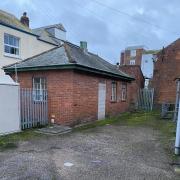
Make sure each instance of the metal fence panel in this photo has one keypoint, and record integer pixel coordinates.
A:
(145, 99)
(34, 112)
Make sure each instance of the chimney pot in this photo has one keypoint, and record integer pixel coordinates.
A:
(24, 19)
(117, 65)
(83, 46)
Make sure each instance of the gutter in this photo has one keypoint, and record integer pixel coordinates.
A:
(15, 28)
(70, 66)
(24, 31)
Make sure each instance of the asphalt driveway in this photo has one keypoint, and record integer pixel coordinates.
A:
(108, 152)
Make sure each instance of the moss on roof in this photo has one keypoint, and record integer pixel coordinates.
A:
(69, 56)
(11, 20)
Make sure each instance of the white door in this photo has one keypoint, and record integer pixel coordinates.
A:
(101, 100)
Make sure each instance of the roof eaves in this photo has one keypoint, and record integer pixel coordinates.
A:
(46, 41)
(70, 66)
(27, 32)
(18, 29)
(9, 66)
(81, 67)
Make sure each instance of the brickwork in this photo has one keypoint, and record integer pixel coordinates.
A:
(73, 96)
(134, 71)
(126, 57)
(166, 69)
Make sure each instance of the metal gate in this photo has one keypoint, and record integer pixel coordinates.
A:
(145, 99)
(34, 108)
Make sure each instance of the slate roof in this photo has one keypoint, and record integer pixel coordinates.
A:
(58, 26)
(10, 20)
(45, 35)
(68, 56)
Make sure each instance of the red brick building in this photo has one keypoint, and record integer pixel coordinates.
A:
(132, 56)
(81, 86)
(166, 69)
(137, 84)
(139, 56)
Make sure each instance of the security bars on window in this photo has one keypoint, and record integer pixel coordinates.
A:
(39, 87)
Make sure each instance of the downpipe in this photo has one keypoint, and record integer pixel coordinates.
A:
(177, 142)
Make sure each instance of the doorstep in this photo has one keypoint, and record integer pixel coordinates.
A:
(55, 130)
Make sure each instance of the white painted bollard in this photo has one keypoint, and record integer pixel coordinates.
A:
(177, 143)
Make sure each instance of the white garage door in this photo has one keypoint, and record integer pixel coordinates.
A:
(101, 100)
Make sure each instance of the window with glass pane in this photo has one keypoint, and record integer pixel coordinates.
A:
(114, 91)
(124, 91)
(132, 62)
(11, 45)
(133, 53)
(39, 89)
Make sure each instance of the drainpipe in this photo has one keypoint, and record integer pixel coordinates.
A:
(16, 76)
(177, 142)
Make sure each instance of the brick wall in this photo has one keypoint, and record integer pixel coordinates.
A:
(166, 69)
(73, 96)
(134, 71)
(125, 57)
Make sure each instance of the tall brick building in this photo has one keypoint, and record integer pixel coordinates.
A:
(132, 55)
(166, 70)
(81, 86)
(139, 56)
(137, 84)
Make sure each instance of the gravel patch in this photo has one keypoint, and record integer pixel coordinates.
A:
(103, 153)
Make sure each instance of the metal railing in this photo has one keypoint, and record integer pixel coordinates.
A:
(34, 108)
(145, 99)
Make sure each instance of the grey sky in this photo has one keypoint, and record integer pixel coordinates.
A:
(107, 30)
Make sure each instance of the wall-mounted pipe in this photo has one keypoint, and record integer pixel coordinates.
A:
(177, 142)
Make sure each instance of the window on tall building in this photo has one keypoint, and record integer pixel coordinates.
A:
(11, 45)
(132, 62)
(133, 53)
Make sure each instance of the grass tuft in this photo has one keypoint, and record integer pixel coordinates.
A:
(167, 128)
(11, 141)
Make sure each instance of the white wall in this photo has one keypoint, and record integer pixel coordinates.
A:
(9, 109)
(60, 34)
(147, 65)
(29, 46)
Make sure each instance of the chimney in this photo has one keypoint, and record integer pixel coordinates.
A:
(122, 58)
(117, 65)
(24, 19)
(83, 46)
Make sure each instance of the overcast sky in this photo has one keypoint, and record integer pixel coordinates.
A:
(107, 25)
